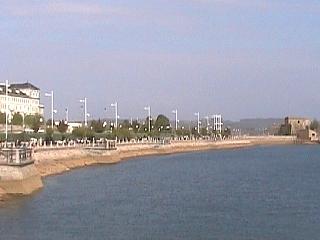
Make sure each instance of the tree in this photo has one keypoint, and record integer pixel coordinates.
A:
(79, 132)
(48, 122)
(194, 131)
(182, 132)
(123, 134)
(135, 126)
(49, 134)
(62, 127)
(144, 128)
(126, 124)
(161, 126)
(83, 132)
(162, 123)
(314, 125)
(34, 122)
(97, 126)
(226, 132)
(17, 119)
(2, 118)
(203, 131)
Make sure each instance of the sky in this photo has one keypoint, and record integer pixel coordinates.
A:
(240, 58)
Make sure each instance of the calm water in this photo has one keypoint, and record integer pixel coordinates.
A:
(257, 193)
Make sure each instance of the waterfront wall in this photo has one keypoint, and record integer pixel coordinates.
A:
(20, 180)
(26, 179)
(59, 161)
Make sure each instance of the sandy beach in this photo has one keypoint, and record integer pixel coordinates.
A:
(57, 161)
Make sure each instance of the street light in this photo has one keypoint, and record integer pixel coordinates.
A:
(115, 105)
(176, 120)
(84, 101)
(198, 115)
(6, 84)
(67, 115)
(208, 124)
(11, 118)
(51, 94)
(148, 108)
(23, 124)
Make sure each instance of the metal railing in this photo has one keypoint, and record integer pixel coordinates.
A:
(84, 144)
(16, 156)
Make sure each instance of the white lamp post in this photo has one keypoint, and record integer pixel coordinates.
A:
(176, 119)
(7, 106)
(52, 106)
(208, 123)
(198, 115)
(115, 105)
(6, 84)
(148, 108)
(67, 115)
(23, 124)
(84, 101)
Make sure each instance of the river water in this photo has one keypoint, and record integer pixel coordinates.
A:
(256, 193)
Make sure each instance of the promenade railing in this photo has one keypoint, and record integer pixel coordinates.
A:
(105, 144)
(83, 144)
(16, 156)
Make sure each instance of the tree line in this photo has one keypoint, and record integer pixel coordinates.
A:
(126, 130)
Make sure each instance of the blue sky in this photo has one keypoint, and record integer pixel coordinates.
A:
(248, 58)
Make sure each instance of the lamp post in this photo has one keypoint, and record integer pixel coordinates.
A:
(84, 101)
(198, 115)
(23, 124)
(208, 123)
(6, 84)
(115, 105)
(148, 108)
(51, 94)
(7, 106)
(176, 119)
(11, 118)
(67, 115)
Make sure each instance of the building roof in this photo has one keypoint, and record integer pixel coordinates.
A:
(298, 118)
(13, 92)
(24, 86)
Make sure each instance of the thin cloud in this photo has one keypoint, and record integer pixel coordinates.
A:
(75, 8)
(99, 12)
(303, 6)
(19, 9)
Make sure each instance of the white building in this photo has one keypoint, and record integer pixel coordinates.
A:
(23, 98)
(73, 125)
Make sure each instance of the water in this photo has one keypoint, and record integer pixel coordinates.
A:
(257, 193)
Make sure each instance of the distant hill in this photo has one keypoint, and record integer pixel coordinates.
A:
(254, 126)
(255, 123)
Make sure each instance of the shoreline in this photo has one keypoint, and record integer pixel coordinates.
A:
(55, 162)
(79, 158)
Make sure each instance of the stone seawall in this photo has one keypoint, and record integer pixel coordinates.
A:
(59, 161)
(19, 180)
(25, 180)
